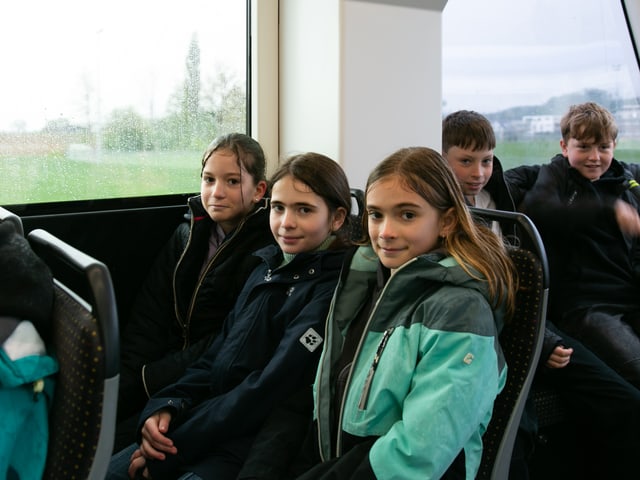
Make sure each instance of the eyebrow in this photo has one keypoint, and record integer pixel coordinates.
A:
(398, 206)
(297, 204)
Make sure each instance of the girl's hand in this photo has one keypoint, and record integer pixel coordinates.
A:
(137, 463)
(155, 444)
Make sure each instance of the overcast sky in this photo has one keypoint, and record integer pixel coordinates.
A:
(60, 56)
(127, 52)
(523, 53)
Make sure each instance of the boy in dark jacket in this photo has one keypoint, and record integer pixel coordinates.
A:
(585, 207)
(585, 383)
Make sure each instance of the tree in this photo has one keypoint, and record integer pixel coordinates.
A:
(191, 90)
(225, 103)
(125, 131)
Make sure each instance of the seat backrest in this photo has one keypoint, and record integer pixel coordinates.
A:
(357, 211)
(521, 341)
(7, 216)
(86, 345)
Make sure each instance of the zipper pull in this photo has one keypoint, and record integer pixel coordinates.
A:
(38, 387)
(374, 365)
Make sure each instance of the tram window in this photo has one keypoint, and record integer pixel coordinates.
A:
(113, 99)
(522, 64)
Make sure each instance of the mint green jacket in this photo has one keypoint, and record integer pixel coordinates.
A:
(26, 390)
(426, 371)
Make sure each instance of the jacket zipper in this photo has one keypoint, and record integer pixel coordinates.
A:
(186, 323)
(182, 324)
(383, 343)
(364, 397)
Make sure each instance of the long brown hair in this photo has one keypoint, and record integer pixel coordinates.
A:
(475, 247)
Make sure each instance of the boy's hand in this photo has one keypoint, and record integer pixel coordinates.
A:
(627, 218)
(154, 441)
(560, 357)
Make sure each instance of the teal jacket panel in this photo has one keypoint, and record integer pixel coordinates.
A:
(427, 369)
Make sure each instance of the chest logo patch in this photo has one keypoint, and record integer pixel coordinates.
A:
(468, 358)
(311, 339)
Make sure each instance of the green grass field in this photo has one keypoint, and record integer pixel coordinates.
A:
(38, 178)
(42, 178)
(512, 154)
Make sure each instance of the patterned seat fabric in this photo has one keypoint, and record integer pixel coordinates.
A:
(86, 343)
(76, 414)
(518, 341)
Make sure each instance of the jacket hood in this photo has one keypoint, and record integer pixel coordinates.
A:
(614, 181)
(615, 173)
(428, 271)
(437, 267)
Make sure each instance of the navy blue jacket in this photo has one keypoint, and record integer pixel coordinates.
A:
(269, 348)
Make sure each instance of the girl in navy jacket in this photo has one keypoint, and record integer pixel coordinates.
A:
(270, 343)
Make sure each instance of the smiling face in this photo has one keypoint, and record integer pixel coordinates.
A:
(401, 224)
(300, 219)
(473, 168)
(591, 159)
(228, 192)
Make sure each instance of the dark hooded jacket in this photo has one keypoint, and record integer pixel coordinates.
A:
(268, 349)
(508, 188)
(179, 310)
(591, 261)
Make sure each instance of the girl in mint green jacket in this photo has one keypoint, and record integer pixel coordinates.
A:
(411, 364)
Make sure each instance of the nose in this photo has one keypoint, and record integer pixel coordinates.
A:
(476, 170)
(218, 190)
(288, 219)
(386, 230)
(594, 153)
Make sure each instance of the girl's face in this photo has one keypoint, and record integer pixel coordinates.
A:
(402, 225)
(227, 194)
(300, 219)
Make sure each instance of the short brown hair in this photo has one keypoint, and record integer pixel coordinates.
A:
(467, 129)
(588, 121)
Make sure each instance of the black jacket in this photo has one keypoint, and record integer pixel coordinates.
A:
(508, 188)
(178, 312)
(590, 260)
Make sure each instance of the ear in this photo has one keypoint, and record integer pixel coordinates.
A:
(337, 218)
(260, 190)
(448, 222)
(564, 148)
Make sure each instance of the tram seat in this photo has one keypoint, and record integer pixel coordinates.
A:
(357, 211)
(6, 215)
(549, 408)
(86, 344)
(521, 341)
